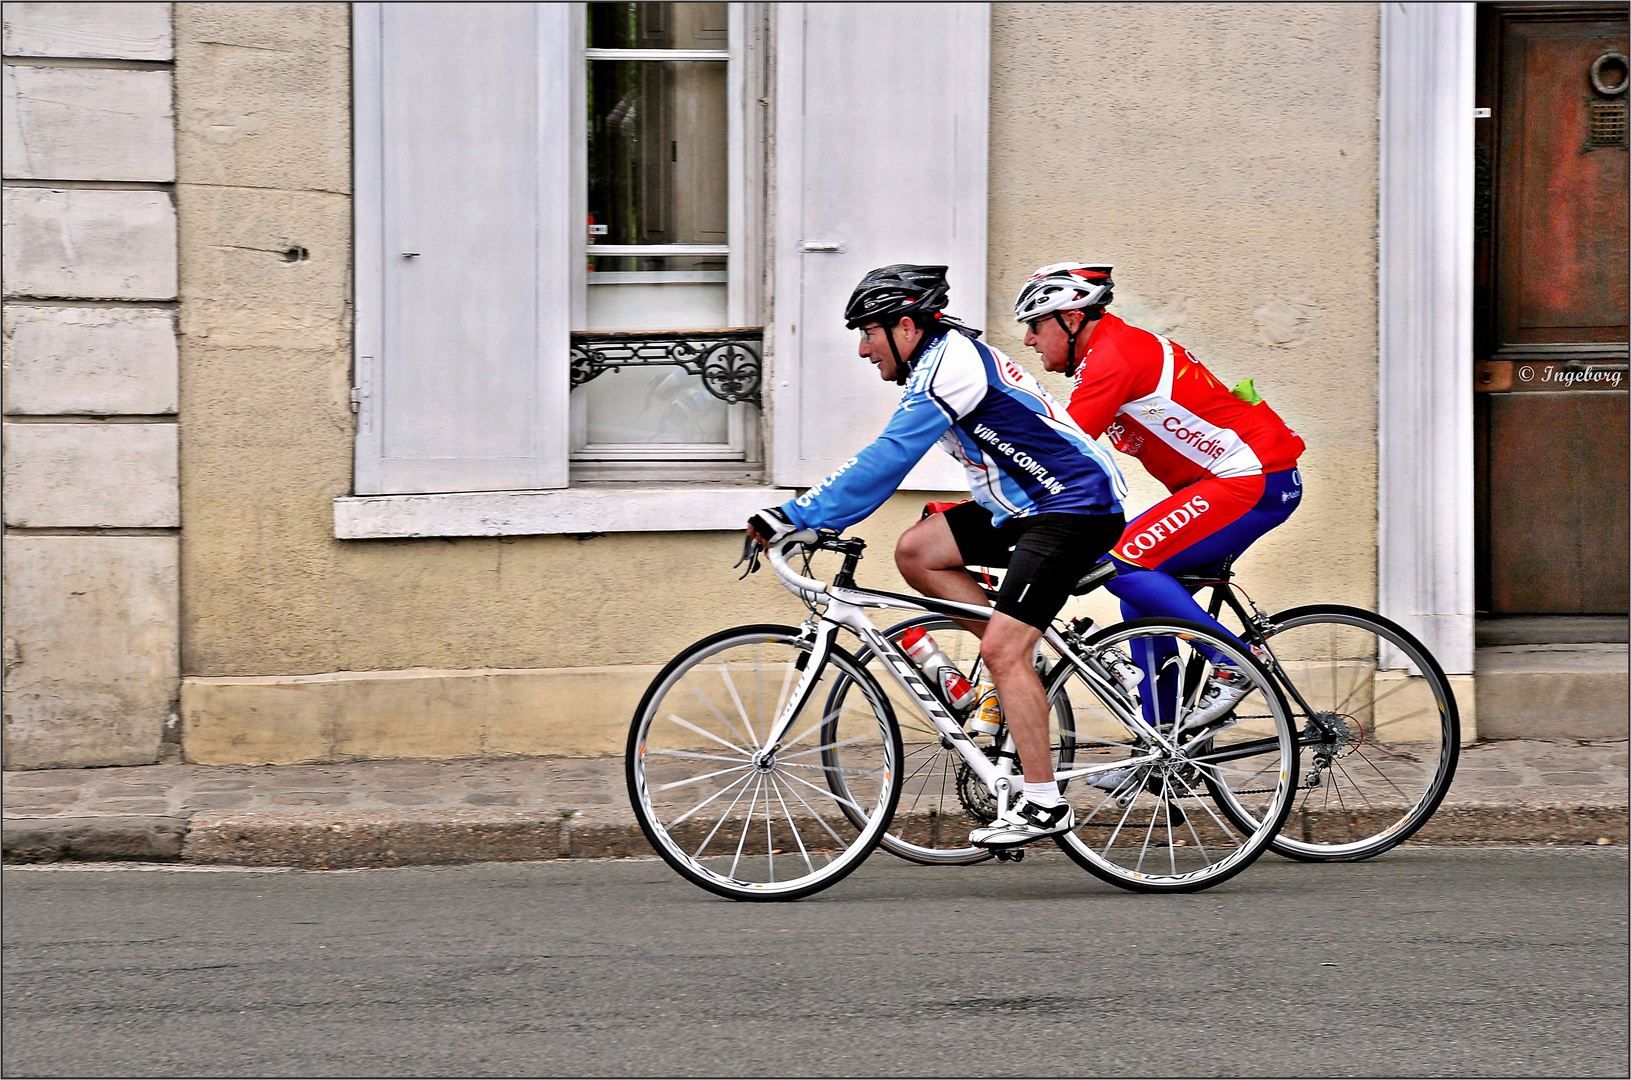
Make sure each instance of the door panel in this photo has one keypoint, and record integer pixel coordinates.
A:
(1558, 519)
(1563, 259)
(1550, 313)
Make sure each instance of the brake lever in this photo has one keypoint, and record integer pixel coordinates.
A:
(750, 555)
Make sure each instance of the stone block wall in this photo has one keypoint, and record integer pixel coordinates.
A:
(91, 486)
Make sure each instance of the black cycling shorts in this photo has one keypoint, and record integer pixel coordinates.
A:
(1046, 555)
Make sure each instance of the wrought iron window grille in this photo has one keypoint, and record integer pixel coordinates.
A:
(727, 360)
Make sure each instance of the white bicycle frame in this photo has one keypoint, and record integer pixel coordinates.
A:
(844, 607)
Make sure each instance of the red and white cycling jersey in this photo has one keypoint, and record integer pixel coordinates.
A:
(1160, 405)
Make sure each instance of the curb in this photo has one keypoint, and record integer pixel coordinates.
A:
(142, 839)
(308, 841)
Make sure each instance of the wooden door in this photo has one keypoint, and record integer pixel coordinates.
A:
(1550, 308)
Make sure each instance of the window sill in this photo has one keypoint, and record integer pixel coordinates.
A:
(589, 509)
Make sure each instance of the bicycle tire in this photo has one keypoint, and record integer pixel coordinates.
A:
(1139, 799)
(680, 775)
(1418, 769)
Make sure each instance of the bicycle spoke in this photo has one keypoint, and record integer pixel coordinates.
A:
(747, 823)
(698, 779)
(1427, 710)
(1144, 848)
(684, 723)
(726, 816)
(734, 730)
(1209, 811)
(823, 748)
(692, 755)
(833, 795)
(817, 815)
(770, 841)
(792, 826)
(1359, 791)
(1385, 778)
(816, 726)
(741, 710)
(1126, 811)
(740, 780)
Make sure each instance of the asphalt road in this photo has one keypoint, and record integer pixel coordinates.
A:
(1433, 961)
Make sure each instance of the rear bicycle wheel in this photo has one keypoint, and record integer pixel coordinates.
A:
(733, 821)
(941, 798)
(1149, 817)
(1379, 729)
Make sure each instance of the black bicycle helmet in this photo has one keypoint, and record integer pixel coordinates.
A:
(891, 293)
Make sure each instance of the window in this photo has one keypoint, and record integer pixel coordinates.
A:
(658, 187)
(561, 252)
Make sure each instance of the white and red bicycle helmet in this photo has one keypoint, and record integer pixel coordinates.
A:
(1065, 286)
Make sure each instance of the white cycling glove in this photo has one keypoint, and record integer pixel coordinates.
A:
(770, 525)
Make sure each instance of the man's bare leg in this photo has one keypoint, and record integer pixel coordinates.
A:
(928, 559)
(1008, 648)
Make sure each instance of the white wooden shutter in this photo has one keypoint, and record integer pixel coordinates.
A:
(859, 87)
(464, 172)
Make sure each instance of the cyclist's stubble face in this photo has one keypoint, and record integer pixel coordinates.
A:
(875, 347)
(1048, 338)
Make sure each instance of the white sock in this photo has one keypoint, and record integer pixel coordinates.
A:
(1043, 795)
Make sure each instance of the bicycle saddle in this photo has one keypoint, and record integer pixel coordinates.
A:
(1100, 574)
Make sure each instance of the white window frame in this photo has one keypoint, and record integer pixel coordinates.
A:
(673, 504)
(742, 452)
(680, 502)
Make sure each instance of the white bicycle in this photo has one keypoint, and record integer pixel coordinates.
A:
(766, 762)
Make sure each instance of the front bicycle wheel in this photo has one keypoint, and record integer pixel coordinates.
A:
(1147, 810)
(734, 820)
(1379, 729)
(941, 798)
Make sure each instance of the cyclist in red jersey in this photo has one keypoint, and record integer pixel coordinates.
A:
(1227, 458)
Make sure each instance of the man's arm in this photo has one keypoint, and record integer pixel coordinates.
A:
(1102, 388)
(865, 481)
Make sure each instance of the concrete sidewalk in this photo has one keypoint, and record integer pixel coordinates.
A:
(399, 813)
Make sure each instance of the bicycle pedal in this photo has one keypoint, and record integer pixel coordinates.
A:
(1009, 854)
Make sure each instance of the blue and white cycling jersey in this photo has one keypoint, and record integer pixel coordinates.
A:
(1023, 453)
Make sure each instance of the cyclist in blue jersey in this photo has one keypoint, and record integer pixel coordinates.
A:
(1047, 502)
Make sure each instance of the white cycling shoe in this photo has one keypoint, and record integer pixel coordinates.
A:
(1222, 693)
(1025, 821)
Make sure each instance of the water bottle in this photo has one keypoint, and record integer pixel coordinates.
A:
(1127, 673)
(987, 719)
(954, 686)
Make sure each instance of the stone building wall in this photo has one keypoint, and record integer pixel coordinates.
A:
(299, 646)
(1223, 157)
(92, 492)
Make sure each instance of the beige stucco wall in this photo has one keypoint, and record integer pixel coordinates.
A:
(263, 101)
(1224, 158)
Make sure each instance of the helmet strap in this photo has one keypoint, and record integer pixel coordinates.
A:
(1070, 342)
(900, 365)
